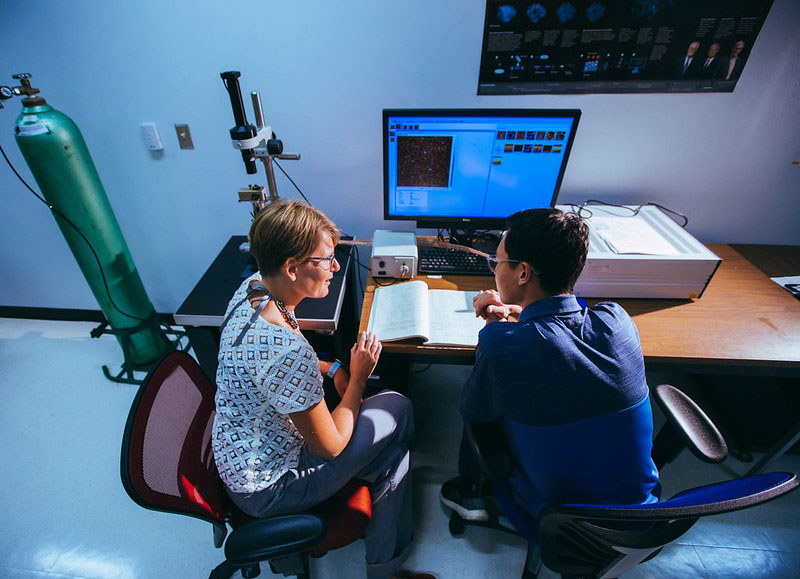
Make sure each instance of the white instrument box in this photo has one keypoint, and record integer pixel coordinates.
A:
(394, 254)
(646, 255)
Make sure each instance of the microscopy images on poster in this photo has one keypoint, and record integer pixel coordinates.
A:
(424, 161)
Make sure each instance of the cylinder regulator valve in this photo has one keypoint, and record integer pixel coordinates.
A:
(6, 92)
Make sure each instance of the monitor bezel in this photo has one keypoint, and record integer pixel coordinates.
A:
(460, 222)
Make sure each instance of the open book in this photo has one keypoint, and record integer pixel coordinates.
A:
(438, 316)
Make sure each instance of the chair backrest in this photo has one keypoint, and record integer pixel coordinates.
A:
(610, 539)
(167, 460)
(599, 460)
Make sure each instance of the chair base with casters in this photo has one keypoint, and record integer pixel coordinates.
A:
(498, 522)
(608, 540)
(167, 465)
(288, 541)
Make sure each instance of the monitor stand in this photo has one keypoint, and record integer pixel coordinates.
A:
(463, 237)
(486, 242)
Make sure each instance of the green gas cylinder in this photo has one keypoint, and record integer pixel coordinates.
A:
(59, 160)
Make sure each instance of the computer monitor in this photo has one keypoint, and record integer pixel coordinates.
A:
(472, 168)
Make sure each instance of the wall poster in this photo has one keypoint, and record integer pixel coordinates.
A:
(617, 46)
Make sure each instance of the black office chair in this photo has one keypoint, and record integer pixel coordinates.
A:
(608, 540)
(167, 465)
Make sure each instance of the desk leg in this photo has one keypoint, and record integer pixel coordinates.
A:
(347, 331)
(205, 344)
(777, 451)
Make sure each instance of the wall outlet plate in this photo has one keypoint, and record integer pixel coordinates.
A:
(184, 136)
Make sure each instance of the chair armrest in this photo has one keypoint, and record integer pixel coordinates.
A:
(487, 440)
(693, 426)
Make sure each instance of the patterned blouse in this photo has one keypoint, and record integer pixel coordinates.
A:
(271, 373)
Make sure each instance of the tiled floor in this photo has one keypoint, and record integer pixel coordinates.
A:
(65, 513)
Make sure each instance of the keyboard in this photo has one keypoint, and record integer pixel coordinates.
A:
(438, 260)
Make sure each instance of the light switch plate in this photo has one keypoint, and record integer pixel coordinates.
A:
(184, 136)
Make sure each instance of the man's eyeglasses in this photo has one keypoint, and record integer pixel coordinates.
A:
(492, 260)
(324, 262)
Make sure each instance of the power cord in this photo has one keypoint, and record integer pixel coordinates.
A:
(292, 182)
(360, 282)
(584, 212)
(394, 281)
(79, 232)
(357, 256)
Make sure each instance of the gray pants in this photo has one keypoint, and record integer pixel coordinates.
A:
(378, 454)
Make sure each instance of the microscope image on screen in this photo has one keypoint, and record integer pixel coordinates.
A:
(424, 161)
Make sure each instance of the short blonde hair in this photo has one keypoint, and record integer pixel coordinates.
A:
(286, 230)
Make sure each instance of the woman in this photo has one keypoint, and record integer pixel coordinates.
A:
(277, 446)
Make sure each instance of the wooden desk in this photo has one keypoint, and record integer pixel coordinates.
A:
(744, 322)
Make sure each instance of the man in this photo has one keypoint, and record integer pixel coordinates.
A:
(686, 66)
(559, 364)
(711, 64)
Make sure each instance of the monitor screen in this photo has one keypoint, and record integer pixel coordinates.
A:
(458, 168)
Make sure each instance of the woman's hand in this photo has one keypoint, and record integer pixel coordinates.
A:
(488, 306)
(364, 356)
(327, 433)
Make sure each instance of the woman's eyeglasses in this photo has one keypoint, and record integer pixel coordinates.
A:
(325, 263)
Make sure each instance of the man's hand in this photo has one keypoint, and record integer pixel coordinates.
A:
(488, 306)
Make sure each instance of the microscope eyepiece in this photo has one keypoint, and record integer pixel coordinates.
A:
(242, 130)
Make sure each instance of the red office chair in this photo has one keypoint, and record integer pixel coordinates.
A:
(167, 465)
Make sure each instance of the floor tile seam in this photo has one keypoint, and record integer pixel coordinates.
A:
(730, 547)
(39, 571)
(706, 573)
(70, 575)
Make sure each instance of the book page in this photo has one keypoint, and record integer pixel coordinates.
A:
(400, 311)
(452, 318)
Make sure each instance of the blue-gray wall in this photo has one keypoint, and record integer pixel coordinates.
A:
(325, 70)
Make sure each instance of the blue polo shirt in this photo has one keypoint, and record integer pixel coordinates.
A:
(558, 364)
(568, 384)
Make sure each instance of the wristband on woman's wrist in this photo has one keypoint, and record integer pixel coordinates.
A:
(333, 369)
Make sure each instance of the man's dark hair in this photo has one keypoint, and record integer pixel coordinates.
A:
(553, 242)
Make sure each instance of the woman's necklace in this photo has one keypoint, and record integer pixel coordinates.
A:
(287, 315)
